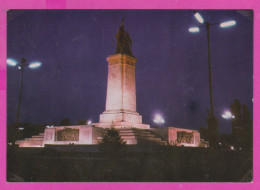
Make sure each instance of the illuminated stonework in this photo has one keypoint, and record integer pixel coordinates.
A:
(121, 91)
(179, 136)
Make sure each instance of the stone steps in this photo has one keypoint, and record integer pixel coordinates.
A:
(140, 136)
(34, 141)
(38, 137)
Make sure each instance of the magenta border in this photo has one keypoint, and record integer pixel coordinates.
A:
(128, 4)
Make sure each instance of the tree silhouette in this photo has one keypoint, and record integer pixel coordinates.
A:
(81, 122)
(111, 141)
(242, 127)
(65, 122)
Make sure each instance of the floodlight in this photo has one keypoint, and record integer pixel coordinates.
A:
(34, 65)
(199, 17)
(227, 24)
(11, 62)
(194, 29)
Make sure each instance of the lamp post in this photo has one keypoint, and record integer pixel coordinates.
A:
(21, 67)
(212, 120)
(207, 25)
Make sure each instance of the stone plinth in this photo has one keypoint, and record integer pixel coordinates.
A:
(120, 116)
(63, 135)
(121, 124)
(121, 91)
(176, 136)
(79, 134)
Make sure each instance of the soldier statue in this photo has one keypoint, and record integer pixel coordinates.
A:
(124, 42)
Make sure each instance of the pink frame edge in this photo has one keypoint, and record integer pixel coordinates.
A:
(129, 4)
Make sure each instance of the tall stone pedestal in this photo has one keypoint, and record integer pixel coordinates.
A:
(121, 93)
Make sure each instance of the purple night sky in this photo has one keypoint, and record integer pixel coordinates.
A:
(171, 71)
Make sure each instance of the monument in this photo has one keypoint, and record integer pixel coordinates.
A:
(121, 86)
(120, 111)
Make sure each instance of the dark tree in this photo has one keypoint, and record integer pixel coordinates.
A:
(81, 122)
(203, 133)
(65, 122)
(247, 128)
(242, 127)
(111, 141)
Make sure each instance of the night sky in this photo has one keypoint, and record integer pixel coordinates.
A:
(171, 71)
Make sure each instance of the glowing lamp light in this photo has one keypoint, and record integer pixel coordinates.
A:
(228, 115)
(35, 65)
(21, 128)
(194, 29)
(232, 148)
(11, 62)
(89, 122)
(199, 17)
(227, 24)
(158, 119)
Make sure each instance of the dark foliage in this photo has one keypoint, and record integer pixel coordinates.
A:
(111, 141)
(65, 122)
(242, 126)
(81, 122)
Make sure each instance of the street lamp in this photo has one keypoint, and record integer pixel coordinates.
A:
(158, 119)
(212, 120)
(21, 66)
(226, 24)
(228, 115)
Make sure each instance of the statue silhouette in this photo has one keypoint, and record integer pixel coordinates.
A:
(124, 42)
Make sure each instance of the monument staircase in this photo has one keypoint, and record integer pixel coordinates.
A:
(130, 135)
(140, 136)
(34, 141)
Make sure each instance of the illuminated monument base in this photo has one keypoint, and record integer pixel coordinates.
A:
(121, 94)
(92, 135)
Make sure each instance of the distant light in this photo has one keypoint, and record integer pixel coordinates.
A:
(232, 148)
(158, 119)
(227, 24)
(48, 126)
(21, 128)
(199, 17)
(220, 143)
(194, 29)
(35, 65)
(89, 122)
(228, 115)
(11, 62)
(19, 67)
